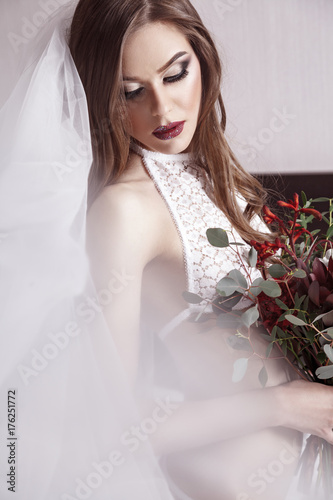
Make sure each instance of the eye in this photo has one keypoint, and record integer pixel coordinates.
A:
(180, 76)
(133, 93)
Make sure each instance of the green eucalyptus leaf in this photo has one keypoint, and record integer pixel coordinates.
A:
(284, 348)
(274, 332)
(281, 334)
(299, 273)
(304, 198)
(325, 372)
(266, 337)
(317, 318)
(299, 300)
(217, 237)
(329, 332)
(294, 320)
(329, 352)
(277, 271)
(227, 286)
(270, 288)
(329, 233)
(239, 278)
(250, 316)
(318, 200)
(269, 349)
(237, 244)
(282, 317)
(253, 257)
(310, 335)
(255, 287)
(321, 356)
(281, 305)
(263, 376)
(240, 367)
(239, 343)
(192, 298)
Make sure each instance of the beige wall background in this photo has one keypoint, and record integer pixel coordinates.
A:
(278, 81)
(278, 74)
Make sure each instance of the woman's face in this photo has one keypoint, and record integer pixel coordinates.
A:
(162, 84)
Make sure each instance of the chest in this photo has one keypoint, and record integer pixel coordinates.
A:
(188, 212)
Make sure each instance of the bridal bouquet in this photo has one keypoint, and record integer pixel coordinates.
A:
(292, 300)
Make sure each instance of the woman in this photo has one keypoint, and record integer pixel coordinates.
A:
(152, 70)
(78, 375)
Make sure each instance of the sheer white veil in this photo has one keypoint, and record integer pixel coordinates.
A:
(70, 435)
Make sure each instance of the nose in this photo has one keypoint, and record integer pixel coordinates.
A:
(160, 102)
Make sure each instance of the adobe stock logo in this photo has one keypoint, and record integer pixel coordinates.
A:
(280, 120)
(224, 7)
(31, 27)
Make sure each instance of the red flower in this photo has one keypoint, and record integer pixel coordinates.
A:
(269, 217)
(313, 212)
(270, 312)
(293, 205)
(298, 230)
(266, 249)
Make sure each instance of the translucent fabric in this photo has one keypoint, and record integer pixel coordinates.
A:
(67, 410)
(72, 425)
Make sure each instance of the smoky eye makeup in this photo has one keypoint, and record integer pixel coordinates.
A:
(178, 73)
(182, 73)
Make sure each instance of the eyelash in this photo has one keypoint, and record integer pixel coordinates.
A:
(171, 79)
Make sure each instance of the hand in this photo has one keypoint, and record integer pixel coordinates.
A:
(307, 407)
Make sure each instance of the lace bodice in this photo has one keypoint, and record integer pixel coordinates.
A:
(185, 189)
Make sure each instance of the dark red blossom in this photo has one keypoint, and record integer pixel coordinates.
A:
(313, 212)
(269, 217)
(292, 204)
(266, 249)
(270, 312)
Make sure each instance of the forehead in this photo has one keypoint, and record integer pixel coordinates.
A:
(149, 48)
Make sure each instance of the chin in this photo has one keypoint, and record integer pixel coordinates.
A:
(173, 147)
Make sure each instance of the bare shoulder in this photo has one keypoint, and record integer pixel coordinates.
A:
(123, 217)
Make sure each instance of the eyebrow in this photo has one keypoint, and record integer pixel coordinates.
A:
(164, 67)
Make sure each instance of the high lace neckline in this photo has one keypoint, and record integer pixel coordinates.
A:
(156, 155)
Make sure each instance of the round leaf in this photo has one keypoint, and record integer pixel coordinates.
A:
(255, 287)
(299, 273)
(239, 343)
(329, 332)
(325, 372)
(270, 288)
(250, 316)
(329, 352)
(240, 367)
(227, 286)
(239, 278)
(217, 237)
(277, 271)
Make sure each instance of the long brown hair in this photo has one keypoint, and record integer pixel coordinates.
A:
(98, 33)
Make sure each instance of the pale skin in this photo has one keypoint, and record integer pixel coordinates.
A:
(132, 215)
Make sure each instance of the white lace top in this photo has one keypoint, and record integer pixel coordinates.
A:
(185, 189)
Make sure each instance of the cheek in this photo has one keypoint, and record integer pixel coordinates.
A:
(136, 115)
(191, 95)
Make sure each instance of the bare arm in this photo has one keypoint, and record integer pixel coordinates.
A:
(121, 236)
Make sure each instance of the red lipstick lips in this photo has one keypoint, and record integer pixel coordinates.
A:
(169, 131)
